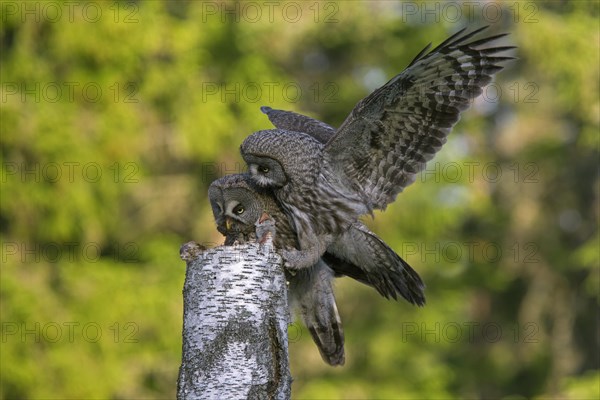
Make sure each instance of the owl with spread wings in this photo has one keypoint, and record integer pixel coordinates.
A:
(324, 187)
(237, 204)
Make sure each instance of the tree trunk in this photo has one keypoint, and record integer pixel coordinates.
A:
(235, 319)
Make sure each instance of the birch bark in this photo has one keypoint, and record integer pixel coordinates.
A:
(235, 322)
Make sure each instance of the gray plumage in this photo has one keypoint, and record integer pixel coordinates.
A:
(377, 151)
(237, 204)
(356, 252)
(295, 122)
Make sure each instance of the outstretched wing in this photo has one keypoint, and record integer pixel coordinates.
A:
(390, 135)
(292, 121)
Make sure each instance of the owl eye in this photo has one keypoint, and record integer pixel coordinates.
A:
(263, 169)
(239, 210)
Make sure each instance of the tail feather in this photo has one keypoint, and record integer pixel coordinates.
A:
(363, 256)
(312, 293)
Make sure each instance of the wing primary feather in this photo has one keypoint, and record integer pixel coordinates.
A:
(493, 60)
(449, 40)
(462, 39)
(485, 40)
(494, 50)
(402, 124)
(453, 41)
(419, 55)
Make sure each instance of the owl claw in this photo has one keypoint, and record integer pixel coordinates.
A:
(300, 259)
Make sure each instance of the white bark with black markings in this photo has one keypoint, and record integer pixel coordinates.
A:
(234, 324)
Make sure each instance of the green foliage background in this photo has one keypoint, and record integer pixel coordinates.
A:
(100, 188)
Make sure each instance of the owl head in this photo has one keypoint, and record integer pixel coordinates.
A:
(236, 205)
(277, 157)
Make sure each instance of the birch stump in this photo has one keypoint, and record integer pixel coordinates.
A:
(235, 319)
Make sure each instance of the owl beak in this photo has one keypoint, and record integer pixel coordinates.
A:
(263, 217)
(228, 223)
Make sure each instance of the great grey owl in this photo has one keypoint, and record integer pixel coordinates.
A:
(237, 203)
(237, 206)
(357, 253)
(377, 151)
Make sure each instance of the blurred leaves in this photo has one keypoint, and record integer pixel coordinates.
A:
(114, 124)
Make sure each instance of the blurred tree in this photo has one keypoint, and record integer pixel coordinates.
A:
(116, 116)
